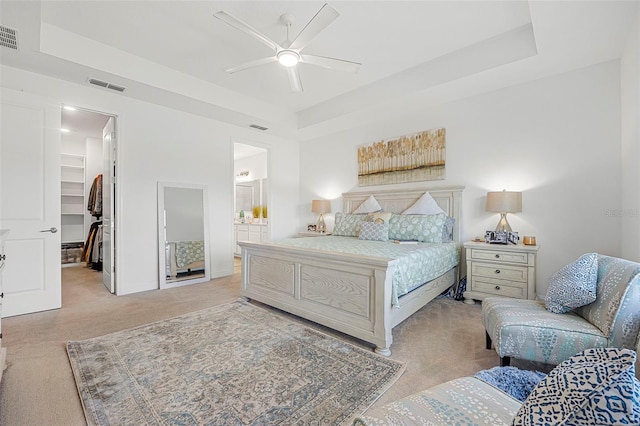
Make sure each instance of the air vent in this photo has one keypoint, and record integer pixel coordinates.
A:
(98, 82)
(8, 37)
(106, 85)
(116, 88)
(255, 126)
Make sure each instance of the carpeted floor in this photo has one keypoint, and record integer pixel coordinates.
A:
(235, 363)
(442, 341)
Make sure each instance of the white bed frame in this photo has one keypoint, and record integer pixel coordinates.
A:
(345, 292)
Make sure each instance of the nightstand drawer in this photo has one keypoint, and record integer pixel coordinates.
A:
(497, 288)
(499, 256)
(500, 271)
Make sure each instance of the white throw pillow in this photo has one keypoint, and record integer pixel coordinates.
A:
(370, 205)
(424, 205)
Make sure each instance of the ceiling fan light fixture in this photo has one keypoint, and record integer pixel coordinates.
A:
(288, 58)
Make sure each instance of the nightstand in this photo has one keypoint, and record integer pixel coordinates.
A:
(500, 270)
(313, 234)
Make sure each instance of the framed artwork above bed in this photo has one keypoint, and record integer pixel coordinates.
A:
(415, 157)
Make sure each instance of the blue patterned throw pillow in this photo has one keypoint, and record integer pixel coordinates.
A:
(418, 227)
(574, 285)
(375, 231)
(595, 387)
(348, 225)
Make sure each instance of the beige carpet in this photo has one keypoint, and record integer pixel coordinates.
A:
(236, 363)
(442, 341)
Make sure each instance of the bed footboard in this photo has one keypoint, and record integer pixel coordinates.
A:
(348, 293)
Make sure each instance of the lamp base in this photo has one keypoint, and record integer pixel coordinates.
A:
(503, 225)
(320, 226)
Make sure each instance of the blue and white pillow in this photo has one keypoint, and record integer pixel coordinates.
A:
(423, 228)
(594, 387)
(574, 285)
(374, 231)
(347, 225)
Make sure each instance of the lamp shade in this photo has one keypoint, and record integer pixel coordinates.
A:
(504, 202)
(321, 206)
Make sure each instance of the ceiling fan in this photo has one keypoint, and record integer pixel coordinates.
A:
(288, 53)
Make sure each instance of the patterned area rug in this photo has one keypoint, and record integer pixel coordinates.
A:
(231, 364)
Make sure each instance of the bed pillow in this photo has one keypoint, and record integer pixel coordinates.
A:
(383, 217)
(447, 229)
(574, 285)
(347, 225)
(370, 205)
(423, 228)
(596, 386)
(424, 205)
(374, 231)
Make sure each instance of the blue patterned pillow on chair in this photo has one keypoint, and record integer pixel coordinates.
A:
(375, 231)
(574, 285)
(595, 387)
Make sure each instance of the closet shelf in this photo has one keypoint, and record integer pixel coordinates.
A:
(72, 204)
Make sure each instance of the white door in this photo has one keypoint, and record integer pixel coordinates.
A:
(108, 191)
(30, 202)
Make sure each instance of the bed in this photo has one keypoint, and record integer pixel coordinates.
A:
(347, 291)
(183, 257)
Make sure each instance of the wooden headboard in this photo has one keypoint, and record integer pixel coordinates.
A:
(449, 198)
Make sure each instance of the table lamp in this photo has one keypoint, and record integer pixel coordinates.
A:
(504, 202)
(321, 207)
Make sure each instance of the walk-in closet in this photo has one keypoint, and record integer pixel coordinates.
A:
(81, 183)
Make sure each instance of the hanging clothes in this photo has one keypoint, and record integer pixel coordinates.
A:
(94, 204)
(92, 253)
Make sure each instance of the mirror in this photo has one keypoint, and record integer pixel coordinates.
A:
(183, 234)
(244, 197)
(250, 195)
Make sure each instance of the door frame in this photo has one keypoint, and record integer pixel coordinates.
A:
(115, 198)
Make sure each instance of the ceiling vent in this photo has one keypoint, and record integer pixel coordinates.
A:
(106, 85)
(8, 37)
(255, 126)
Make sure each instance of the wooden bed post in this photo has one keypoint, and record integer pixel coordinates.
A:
(384, 327)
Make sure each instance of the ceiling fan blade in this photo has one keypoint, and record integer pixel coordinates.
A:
(294, 79)
(247, 29)
(331, 63)
(320, 21)
(251, 64)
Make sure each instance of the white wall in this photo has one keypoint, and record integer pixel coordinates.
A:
(555, 139)
(161, 144)
(630, 81)
(256, 165)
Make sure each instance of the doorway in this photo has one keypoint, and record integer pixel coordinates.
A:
(251, 194)
(87, 168)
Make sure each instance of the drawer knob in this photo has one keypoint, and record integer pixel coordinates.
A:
(497, 287)
(497, 271)
(497, 256)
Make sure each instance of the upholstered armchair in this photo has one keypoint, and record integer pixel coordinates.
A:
(525, 329)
